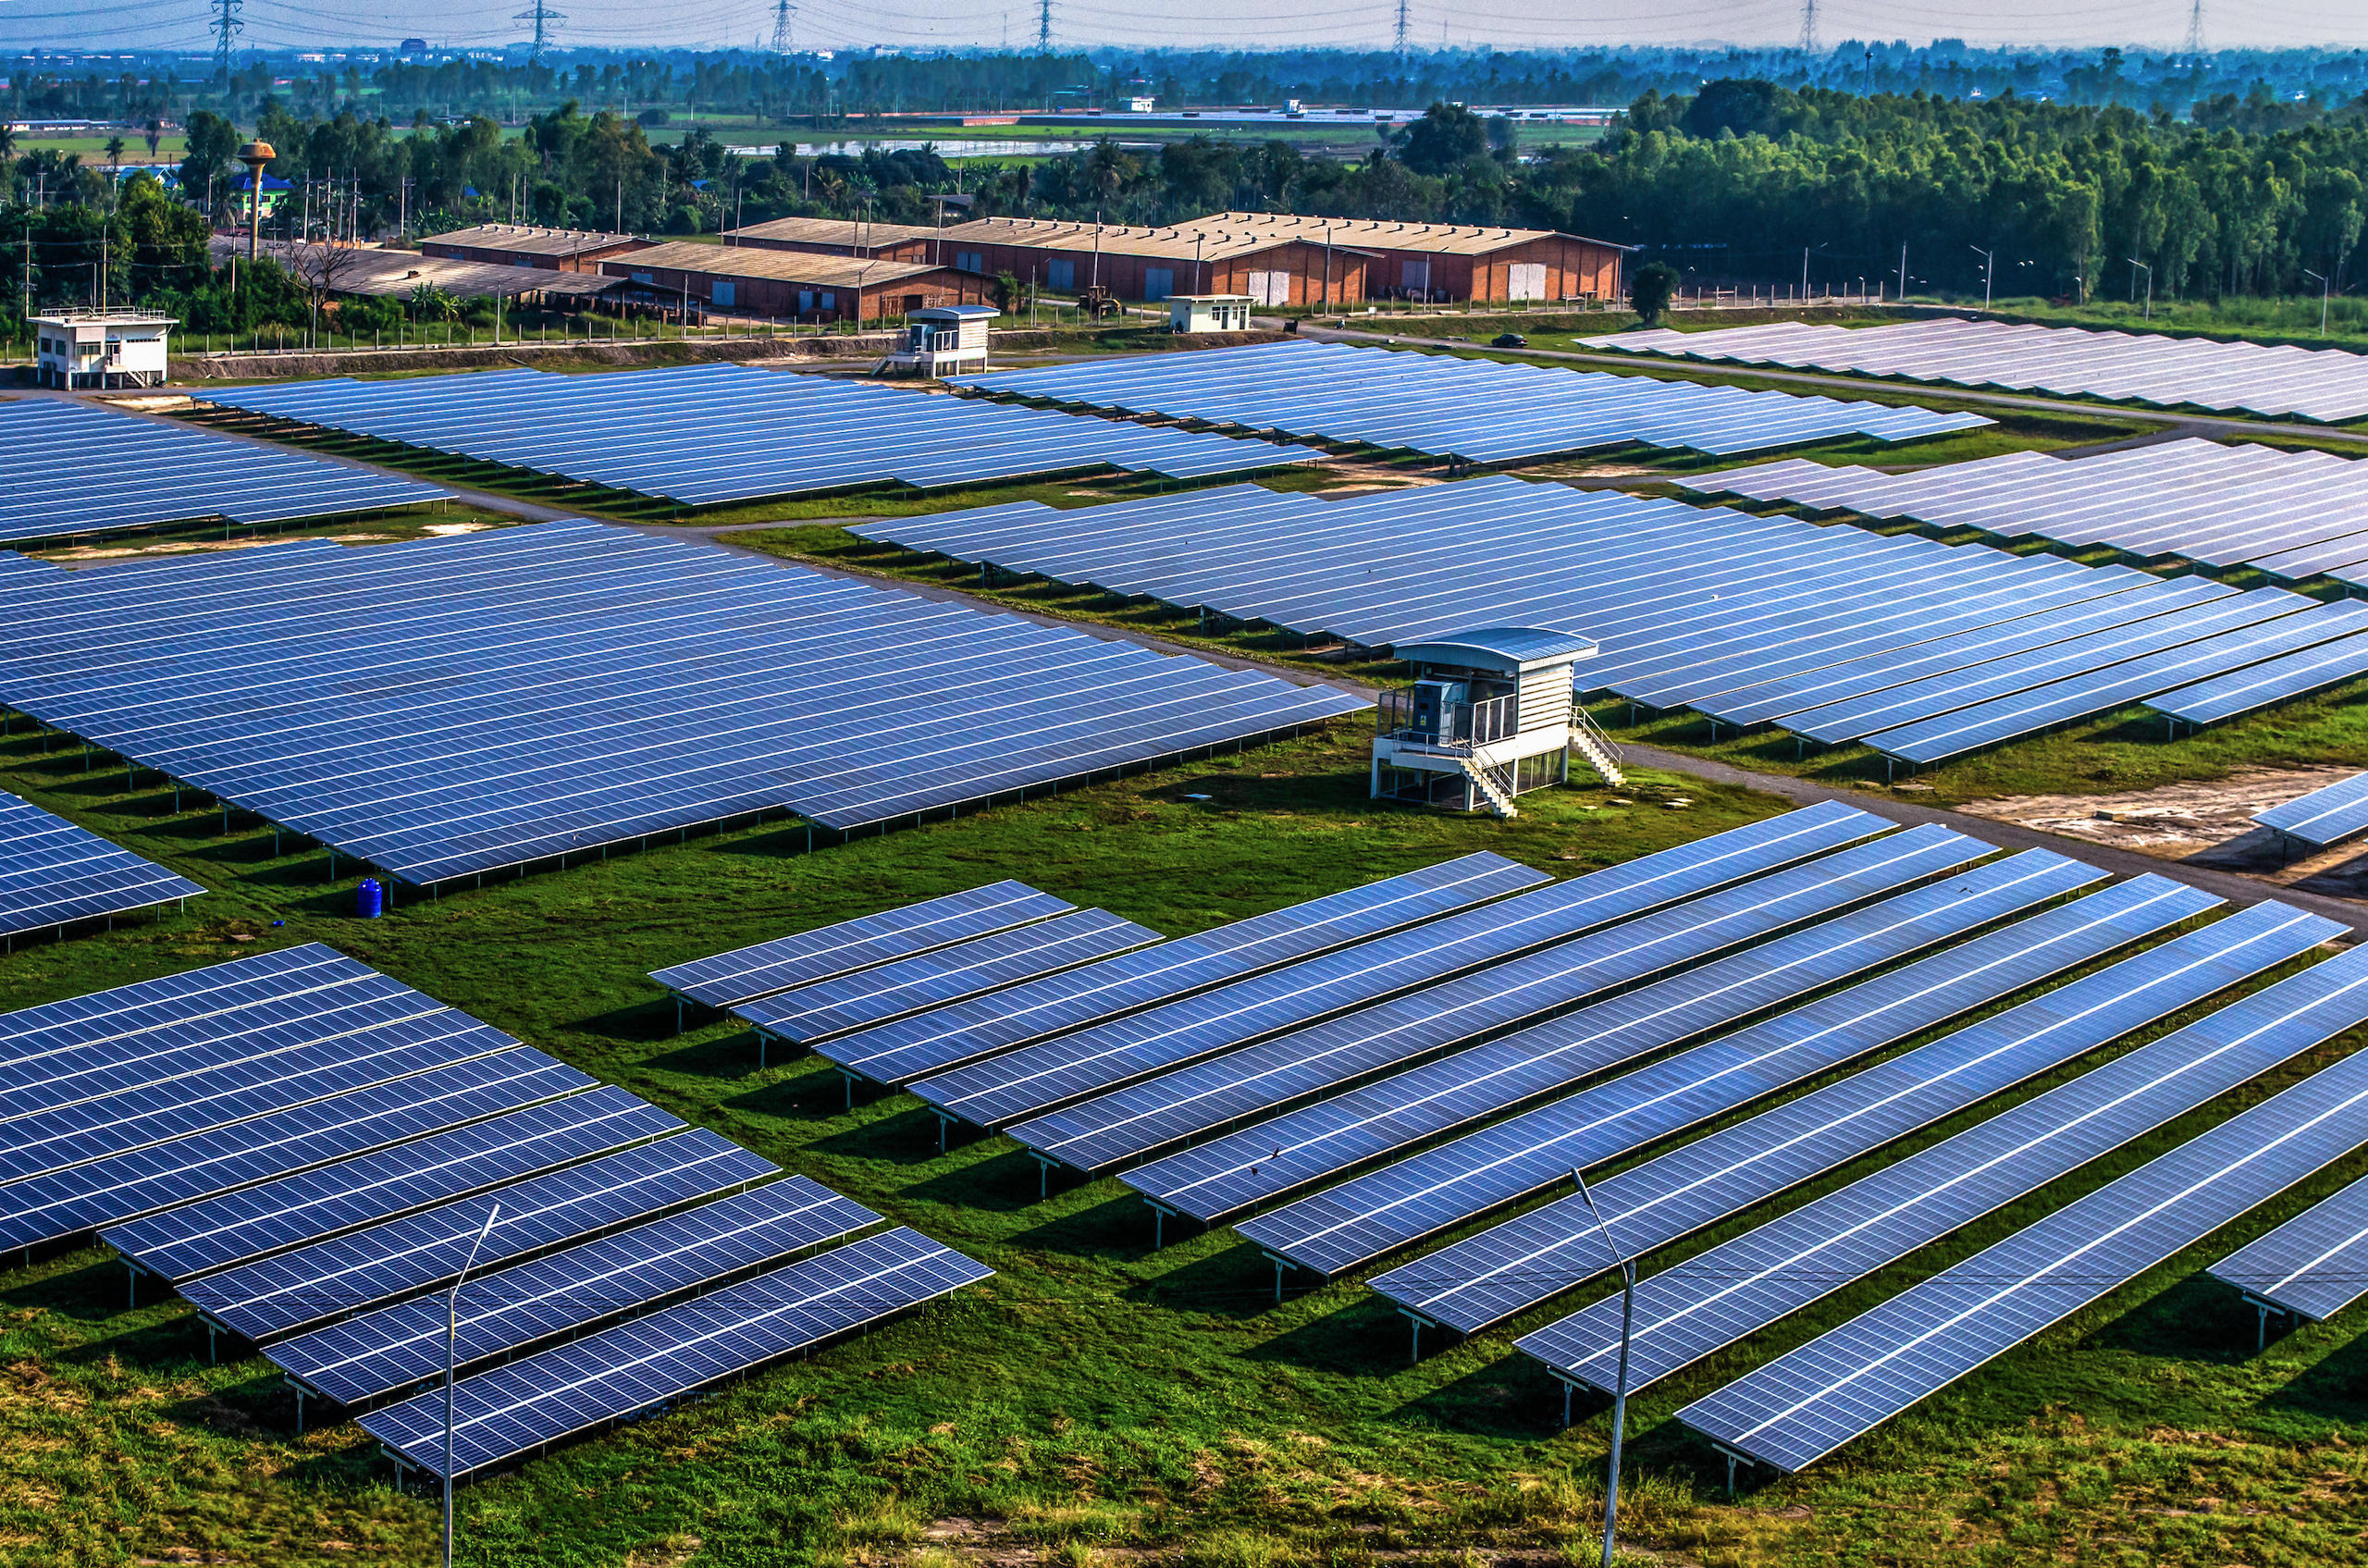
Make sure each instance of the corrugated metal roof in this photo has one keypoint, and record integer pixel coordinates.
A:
(530, 242)
(830, 231)
(367, 270)
(1446, 238)
(1188, 243)
(749, 261)
(1517, 644)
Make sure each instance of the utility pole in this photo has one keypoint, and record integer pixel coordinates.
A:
(1808, 27)
(226, 27)
(782, 13)
(1045, 26)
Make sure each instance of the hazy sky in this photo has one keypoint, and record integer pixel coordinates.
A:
(1506, 24)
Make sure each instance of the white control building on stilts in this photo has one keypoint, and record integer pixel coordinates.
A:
(1490, 716)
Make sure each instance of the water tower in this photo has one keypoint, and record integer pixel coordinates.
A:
(255, 154)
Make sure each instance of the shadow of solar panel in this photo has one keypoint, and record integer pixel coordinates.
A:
(421, 1252)
(52, 871)
(2313, 1265)
(642, 1363)
(827, 952)
(1803, 1405)
(1712, 1300)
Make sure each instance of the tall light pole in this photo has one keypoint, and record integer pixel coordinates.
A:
(2324, 287)
(2137, 267)
(1989, 265)
(450, 1334)
(1620, 1395)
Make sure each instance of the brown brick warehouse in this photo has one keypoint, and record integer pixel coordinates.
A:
(792, 285)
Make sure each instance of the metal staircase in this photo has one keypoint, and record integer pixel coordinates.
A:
(1595, 750)
(1495, 785)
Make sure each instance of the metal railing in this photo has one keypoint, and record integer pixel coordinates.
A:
(1456, 726)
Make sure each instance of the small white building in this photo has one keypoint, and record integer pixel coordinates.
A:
(1208, 312)
(942, 340)
(101, 349)
(1489, 716)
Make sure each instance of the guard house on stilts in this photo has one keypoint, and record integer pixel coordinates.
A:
(1490, 715)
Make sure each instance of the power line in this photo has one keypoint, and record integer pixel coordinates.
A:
(541, 15)
(782, 13)
(1045, 26)
(1404, 45)
(1808, 27)
(226, 27)
(2195, 30)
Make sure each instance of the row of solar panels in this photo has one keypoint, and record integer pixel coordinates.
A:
(454, 705)
(2324, 817)
(1440, 406)
(1472, 1015)
(70, 467)
(706, 435)
(53, 872)
(2330, 384)
(304, 1149)
(2292, 515)
(1919, 649)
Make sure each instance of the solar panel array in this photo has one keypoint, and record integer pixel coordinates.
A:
(1443, 406)
(71, 467)
(2330, 384)
(455, 705)
(1716, 1298)
(307, 1149)
(706, 435)
(52, 871)
(1832, 631)
(2314, 1265)
(1803, 1405)
(2292, 514)
(2325, 817)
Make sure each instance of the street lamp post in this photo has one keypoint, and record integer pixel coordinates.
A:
(2137, 267)
(1989, 265)
(2325, 288)
(450, 1337)
(1620, 1393)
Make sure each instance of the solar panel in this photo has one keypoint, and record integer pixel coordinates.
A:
(1512, 1266)
(126, 1186)
(1168, 1109)
(181, 1243)
(507, 1310)
(72, 467)
(2325, 817)
(454, 705)
(1802, 1407)
(1035, 1079)
(894, 1052)
(1709, 1302)
(115, 1017)
(827, 952)
(1478, 409)
(1555, 1247)
(706, 435)
(2265, 684)
(905, 986)
(52, 871)
(2313, 1265)
(421, 1252)
(2150, 368)
(648, 1361)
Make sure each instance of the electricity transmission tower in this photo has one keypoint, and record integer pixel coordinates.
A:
(1808, 27)
(542, 15)
(226, 27)
(1402, 42)
(1045, 26)
(2195, 30)
(782, 13)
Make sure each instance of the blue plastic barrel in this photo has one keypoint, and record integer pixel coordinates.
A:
(369, 900)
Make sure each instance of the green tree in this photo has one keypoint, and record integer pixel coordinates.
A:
(1651, 288)
(1447, 134)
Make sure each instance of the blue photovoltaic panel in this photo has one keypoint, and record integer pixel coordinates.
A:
(1444, 406)
(455, 705)
(746, 973)
(950, 974)
(505, 1310)
(1702, 1182)
(52, 871)
(2324, 817)
(1712, 1301)
(703, 435)
(894, 1052)
(2263, 686)
(2314, 1265)
(1133, 1122)
(383, 1262)
(1802, 1407)
(1512, 1266)
(181, 1243)
(1040, 1077)
(72, 467)
(123, 1187)
(119, 1025)
(639, 1363)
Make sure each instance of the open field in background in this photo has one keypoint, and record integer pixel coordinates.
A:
(1097, 1402)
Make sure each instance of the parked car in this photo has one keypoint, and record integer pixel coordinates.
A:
(1508, 341)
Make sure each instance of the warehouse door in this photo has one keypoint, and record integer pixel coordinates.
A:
(1270, 288)
(1060, 274)
(1414, 277)
(1158, 282)
(723, 294)
(1528, 282)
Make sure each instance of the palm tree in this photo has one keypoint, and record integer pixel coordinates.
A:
(153, 134)
(115, 169)
(429, 303)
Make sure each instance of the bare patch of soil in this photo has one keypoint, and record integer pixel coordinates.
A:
(2208, 823)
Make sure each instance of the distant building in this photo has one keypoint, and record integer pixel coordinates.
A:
(514, 244)
(789, 284)
(1065, 257)
(838, 236)
(944, 340)
(101, 349)
(1450, 261)
(1208, 312)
